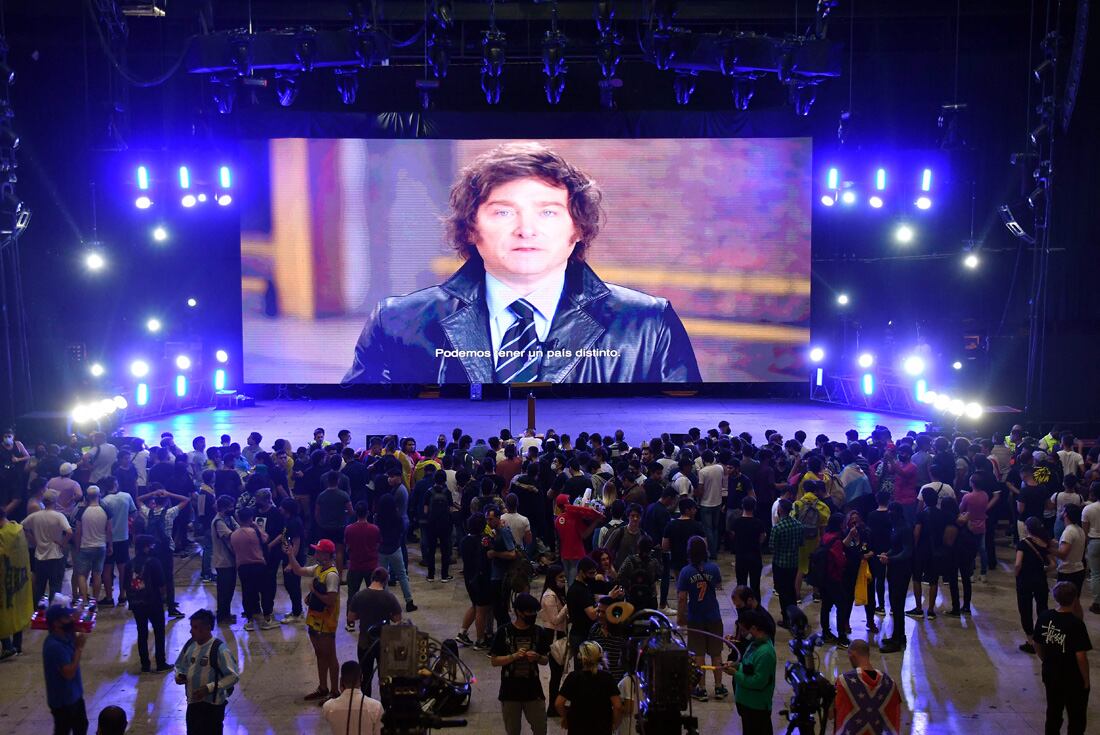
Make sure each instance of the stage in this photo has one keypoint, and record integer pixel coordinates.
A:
(640, 418)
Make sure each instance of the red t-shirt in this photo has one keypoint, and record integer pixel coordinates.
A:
(362, 539)
(905, 483)
(571, 525)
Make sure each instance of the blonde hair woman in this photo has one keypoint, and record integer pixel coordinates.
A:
(592, 694)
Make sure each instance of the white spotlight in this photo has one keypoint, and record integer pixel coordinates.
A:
(817, 354)
(160, 234)
(94, 261)
(942, 402)
(957, 407)
(957, 365)
(221, 356)
(974, 411)
(97, 370)
(842, 299)
(183, 362)
(192, 302)
(904, 234)
(971, 261)
(913, 365)
(139, 368)
(848, 197)
(120, 403)
(153, 325)
(875, 202)
(866, 360)
(929, 396)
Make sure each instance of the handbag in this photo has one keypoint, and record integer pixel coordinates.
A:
(559, 650)
(863, 577)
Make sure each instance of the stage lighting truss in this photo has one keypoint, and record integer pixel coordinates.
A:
(493, 45)
(553, 62)
(188, 185)
(878, 187)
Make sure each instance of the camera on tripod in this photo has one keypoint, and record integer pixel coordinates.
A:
(812, 693)
(421, 681)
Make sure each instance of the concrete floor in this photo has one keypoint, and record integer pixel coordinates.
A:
(956, 676)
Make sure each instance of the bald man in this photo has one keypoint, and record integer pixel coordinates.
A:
(867, 700)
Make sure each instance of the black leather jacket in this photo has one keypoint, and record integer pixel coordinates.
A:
(407, 337)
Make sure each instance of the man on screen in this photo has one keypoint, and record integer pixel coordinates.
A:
(525, 306)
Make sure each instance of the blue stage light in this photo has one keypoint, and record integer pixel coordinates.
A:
(868, 383)
(188, 200)
(97, 370)
(820, 377)
(185, 178)
(926, 180)
(875, 202)
(141, 395)
(223, 177)
(143, 178)
(842, 299)
(181, 386)
(219, 379)
(833, 179)
(143, 202)
(866, 360)
(880, 179)
(919, 389)
(924, 203)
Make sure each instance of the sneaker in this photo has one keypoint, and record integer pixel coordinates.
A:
(292, 619)
(966, 610)
(7, 653)
(916, 612)
(431, 577)
(208, 579)
(161, 668)
(720, 692)
(446, 579)
(481, 645)
(981, 578)
(410, 607)
(250, 625)
(349, 627)
(953, 613)
(1094, 608)
(828, 637)
(176, 614)
(843, 642)
(699, 694)
(145, 669)
(106, 602)
(268, 623)
(931, 615)
(318, 693)
(464, 639)
(891, 646)
(1027, 648)
(880, 610)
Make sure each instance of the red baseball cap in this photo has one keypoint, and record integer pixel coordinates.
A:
(562, 500)
(324, 545)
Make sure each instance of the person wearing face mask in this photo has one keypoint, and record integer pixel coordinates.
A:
(13, 464)
(519, 648)
(61, 654)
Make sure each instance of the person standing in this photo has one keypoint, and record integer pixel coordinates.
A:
(294, 544)
(392, 527)
(102, 457)
(574, 524)
(323, 617)
(929, 555)
(519, 648)
(249, 543)
(208, 670)
(1063, 644)
(501, 553)
(754, 675)
(371, 608)
(436, 514)
(589, 701)
(747, 535)
(121, 508)
(786, 542)
(867, 700)
(271, 521)
(61, 654)
(16, 604)
(812, 512)
(475, 576)
(554, 617)
(160, 515)
(1032, 562)
(697, 608)
(1071, 552)
(352, 711)
(331, 513)
(361, 539)
(146, 597)
(899, 570)
(50, 531)
(1090, 524)
(93, 527)
(225, 565)
(712, 477)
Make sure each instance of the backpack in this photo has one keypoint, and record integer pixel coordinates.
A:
(439, 504)
(158, 529)
(218, 673)
(809, 516)
(820, 563)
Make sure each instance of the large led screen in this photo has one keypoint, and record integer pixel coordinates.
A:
(495, 261)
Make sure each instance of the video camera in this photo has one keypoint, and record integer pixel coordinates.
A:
(813, 693)
(420, 679)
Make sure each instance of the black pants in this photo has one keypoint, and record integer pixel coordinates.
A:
(14, 643)
(962, 566)
(74, 719)
(834, 594)
(500, 602)
(226, 586)
(897, 578)
(293, 584)
(145, 617)
(878, 581)
(1075, 703)
(50, 571)
(748, 572)
(438, 536)
(355, 581)
(784, 588)
(167, 562)
(755, 721)
(556, 671)
(252, 581)
(205, 719)
(368, 661)
(1027, 593)
(267, 591)
(666, 569)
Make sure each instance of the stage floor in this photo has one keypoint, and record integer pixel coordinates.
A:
(423, 419)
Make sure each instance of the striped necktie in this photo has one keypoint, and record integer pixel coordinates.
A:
(521, 367)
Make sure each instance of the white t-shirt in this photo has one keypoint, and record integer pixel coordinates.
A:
(95, 527)
(1064, 498)
(141, 463)
(775, 511)
(47, 527)
(1075, 537)
(1072, 462)
(710, 477)
(529, 441)
(629, 690)
(943, 490)
(682, 483)
(518, 524)
(352, 712)
(103, 459)
(1091, 515)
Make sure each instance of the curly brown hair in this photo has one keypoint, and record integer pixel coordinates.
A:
(512, 161)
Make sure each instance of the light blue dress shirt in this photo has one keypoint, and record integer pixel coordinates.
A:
(544, 299)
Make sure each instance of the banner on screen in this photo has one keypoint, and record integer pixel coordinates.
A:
(493, 261)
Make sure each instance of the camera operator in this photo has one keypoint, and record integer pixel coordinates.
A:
(744, 598)
(867, 700)
(519, 648)
(754, 676)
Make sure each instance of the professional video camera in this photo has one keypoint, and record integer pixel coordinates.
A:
(666, 672)
(421, 680)
(813, 694)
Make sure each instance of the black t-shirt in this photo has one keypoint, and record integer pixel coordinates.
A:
(373, 608)
(272, 523)
(1034, 499)
(519, 680)
(575, 486)
(678, 532)
(295, 530)
(739, 489)
(932, 522)
(746, 538)
(1033, 570)
(475, 564)
(227, 482)
(880, 525)
(653, 490)
(589, 694)
(1061, 636)
(577, 599)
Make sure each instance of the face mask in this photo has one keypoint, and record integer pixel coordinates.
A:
(69, 627)
(529, 619)
(8, 441)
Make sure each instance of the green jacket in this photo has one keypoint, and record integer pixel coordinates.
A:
(756, 689)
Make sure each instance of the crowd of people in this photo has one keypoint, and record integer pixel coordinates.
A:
(588, 521)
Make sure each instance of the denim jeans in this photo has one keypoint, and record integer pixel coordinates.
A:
(570, 567)
(709, 518)
(1092, 555)
(395, 563)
